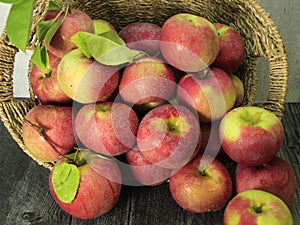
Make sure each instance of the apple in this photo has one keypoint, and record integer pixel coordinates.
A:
(107, 127)
(142, 36)
(203, 185)
(276, 177)
(232, 48)
(251, 135)
(45, 85)
(102, 26)
(147, 82)
(211, 92)
(98, 189)
(143, 171)
(76, 20)
(239, 89)
(47, 132)
(169, 136)
(210, 140)
(84, 79)
(189, 42)
(256, 207)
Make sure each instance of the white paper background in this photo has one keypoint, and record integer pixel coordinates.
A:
(22, 59)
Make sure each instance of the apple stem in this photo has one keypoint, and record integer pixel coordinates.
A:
(42, 133)
(202, 170)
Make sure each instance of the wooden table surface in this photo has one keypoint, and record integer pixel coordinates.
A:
(25, 198)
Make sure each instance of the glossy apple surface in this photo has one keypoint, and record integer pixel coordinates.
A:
(169, 135)
(142, 36)
(203, 185)
(147, 83)
(45, 85)
(145, 172)
(107, 127)
(84, 79)
(251, 135)
(75, 21)
(232, 48)
(189, 42)
(276, 177)
(56, 121)
(210, 92)
(256, 207)
(98, 191)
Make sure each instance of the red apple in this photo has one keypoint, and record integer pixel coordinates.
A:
(102, 26)
(203, 185)
(251, 135)
(147, 83)
(76, 20)
(211, 92)
(239, 89)
(96, 194)
(46, 126)
(256, 207)
(276, 177)
(108, 128)
(84, 79)
(232, 48)
(169, 136)
(210, 141)
(45, 85)
(142, 36)
(189, 42)
(145, 172)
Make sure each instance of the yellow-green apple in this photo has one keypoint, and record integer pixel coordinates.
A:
(251, 135)
(142, 36)
(203, 185)
(143, 171)
(96, 184)
(189, 42)
(107, 127)
(276, 177)
(256, 207)
(147, 83)
(169, 136)
(47, 132)
(211, 92)
(45, 85)
(102, 26)
(232, 48)
(239, 89)
(76, 20)
(84, 79)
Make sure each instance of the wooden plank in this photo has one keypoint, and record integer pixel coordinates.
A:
(31, 202)
(290, 150)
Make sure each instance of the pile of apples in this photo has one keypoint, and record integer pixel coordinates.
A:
(170, 113)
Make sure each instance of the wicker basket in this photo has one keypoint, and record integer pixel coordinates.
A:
(261, 37)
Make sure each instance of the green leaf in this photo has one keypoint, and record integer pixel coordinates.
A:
(51, 30)
(19, 23)
(65, 181)
(40, 57)
(11, 1)
(45, 32)
(109, 52)
(54, 6)
(114, 36)
(80, 40)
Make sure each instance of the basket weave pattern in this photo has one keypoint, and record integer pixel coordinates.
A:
(261, 36)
